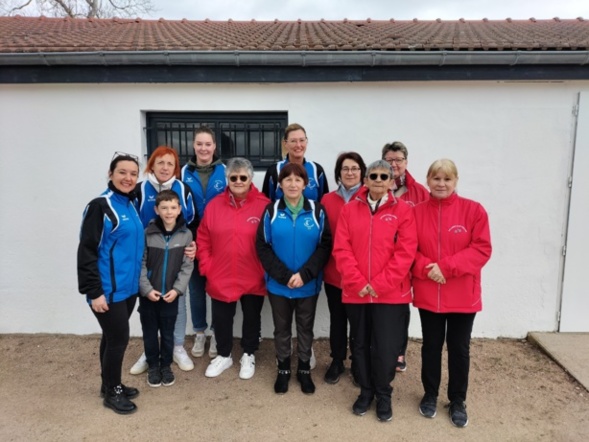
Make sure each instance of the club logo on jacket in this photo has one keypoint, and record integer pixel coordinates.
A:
(457, 228)
(124, 217)
(189, 179)
(388, 217)
(312, 183)
(218, 185)
(253, 220)
(308, 223)
(151, 198)
(282, 215)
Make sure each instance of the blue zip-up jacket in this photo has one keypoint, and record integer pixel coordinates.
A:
(216, 185)
(286, 246)
(146, 194)
(111, 247)
(315, 190)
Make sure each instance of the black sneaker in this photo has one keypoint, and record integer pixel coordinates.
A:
(154, 377)
(334, 372)
(401, 364)
(427, 406)
(458, 414)
(384, 409)
(362, 404)
(168, 378)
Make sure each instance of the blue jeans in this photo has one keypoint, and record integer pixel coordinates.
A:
(198, 300)
(180, 327)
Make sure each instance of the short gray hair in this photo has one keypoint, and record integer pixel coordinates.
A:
(379, 164)
(238, 163)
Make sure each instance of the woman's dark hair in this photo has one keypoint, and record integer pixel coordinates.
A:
(121, 156)
(204, 130)
(349, 156)
(293, 169)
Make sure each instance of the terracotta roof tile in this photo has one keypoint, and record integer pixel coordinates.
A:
(41, 34)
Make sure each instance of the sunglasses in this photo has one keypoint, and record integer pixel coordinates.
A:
(126, 155)
(242, 178)
(383, 176)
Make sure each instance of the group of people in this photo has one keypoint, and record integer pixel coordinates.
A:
(379, 242)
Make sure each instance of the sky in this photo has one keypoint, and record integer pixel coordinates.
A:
(374, 9)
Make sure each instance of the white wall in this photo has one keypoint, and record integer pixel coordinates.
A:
(512, 143)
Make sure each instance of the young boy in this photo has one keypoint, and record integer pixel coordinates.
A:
(165, 273)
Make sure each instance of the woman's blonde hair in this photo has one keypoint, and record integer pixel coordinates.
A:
(443, 165)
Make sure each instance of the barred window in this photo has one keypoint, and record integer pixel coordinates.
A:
(255, 136)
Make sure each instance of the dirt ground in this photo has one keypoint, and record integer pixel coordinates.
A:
(49, 390)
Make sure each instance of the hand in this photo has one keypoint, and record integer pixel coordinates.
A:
(364, 291)
(170, 296)
(295, 281)
(435, 274)
(190, 251)
(154, 296)
(371, 291)
(99, 305)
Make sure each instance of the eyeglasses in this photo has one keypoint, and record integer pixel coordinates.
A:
(395, 160)
(242, 178)
(295, 141)
(383, 176)
(350, 169)
(124, 154)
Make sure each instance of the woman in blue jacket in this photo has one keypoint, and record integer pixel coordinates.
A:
(205, 175)
(109, 265)
(294, 244)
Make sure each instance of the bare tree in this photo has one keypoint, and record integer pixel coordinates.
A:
(77, 8)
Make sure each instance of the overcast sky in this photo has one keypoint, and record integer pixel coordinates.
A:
(375, 9)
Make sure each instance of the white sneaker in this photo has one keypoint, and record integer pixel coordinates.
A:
(182, 359)
(213, 347)
(218, 366)
(140, 366)
(248, 366)
(199, 345)
(312, 361)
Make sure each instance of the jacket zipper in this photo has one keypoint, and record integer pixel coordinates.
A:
(439, 252)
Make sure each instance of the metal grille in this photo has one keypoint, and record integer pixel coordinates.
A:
(255, 136)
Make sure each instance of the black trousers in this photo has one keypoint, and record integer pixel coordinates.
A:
(115, 338)
(456, 330)
(338, 322)
(407, 319)
(282, 311)
(377, 338)
(158, 316)
(223, 314)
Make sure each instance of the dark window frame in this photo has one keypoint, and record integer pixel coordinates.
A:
(253, 135)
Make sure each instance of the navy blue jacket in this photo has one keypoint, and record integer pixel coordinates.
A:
(111, 247)
(216, 185)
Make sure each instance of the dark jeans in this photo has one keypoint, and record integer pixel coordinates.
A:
(338, 322)
(282, 311)
(377, 339)
(115, 337)
(455, 329)
(223, 314)
(158, 316)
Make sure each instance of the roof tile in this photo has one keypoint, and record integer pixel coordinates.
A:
(42, 34)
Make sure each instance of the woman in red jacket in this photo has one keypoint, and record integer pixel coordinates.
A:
(349, 173)
(227, 257)
(374, 248)
(454, 244)
(413, 193)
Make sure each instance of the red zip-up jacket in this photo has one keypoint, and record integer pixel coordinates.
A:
(454, 233)
(416, 193)
(226, 242)
(333, 203)
(375, 248)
